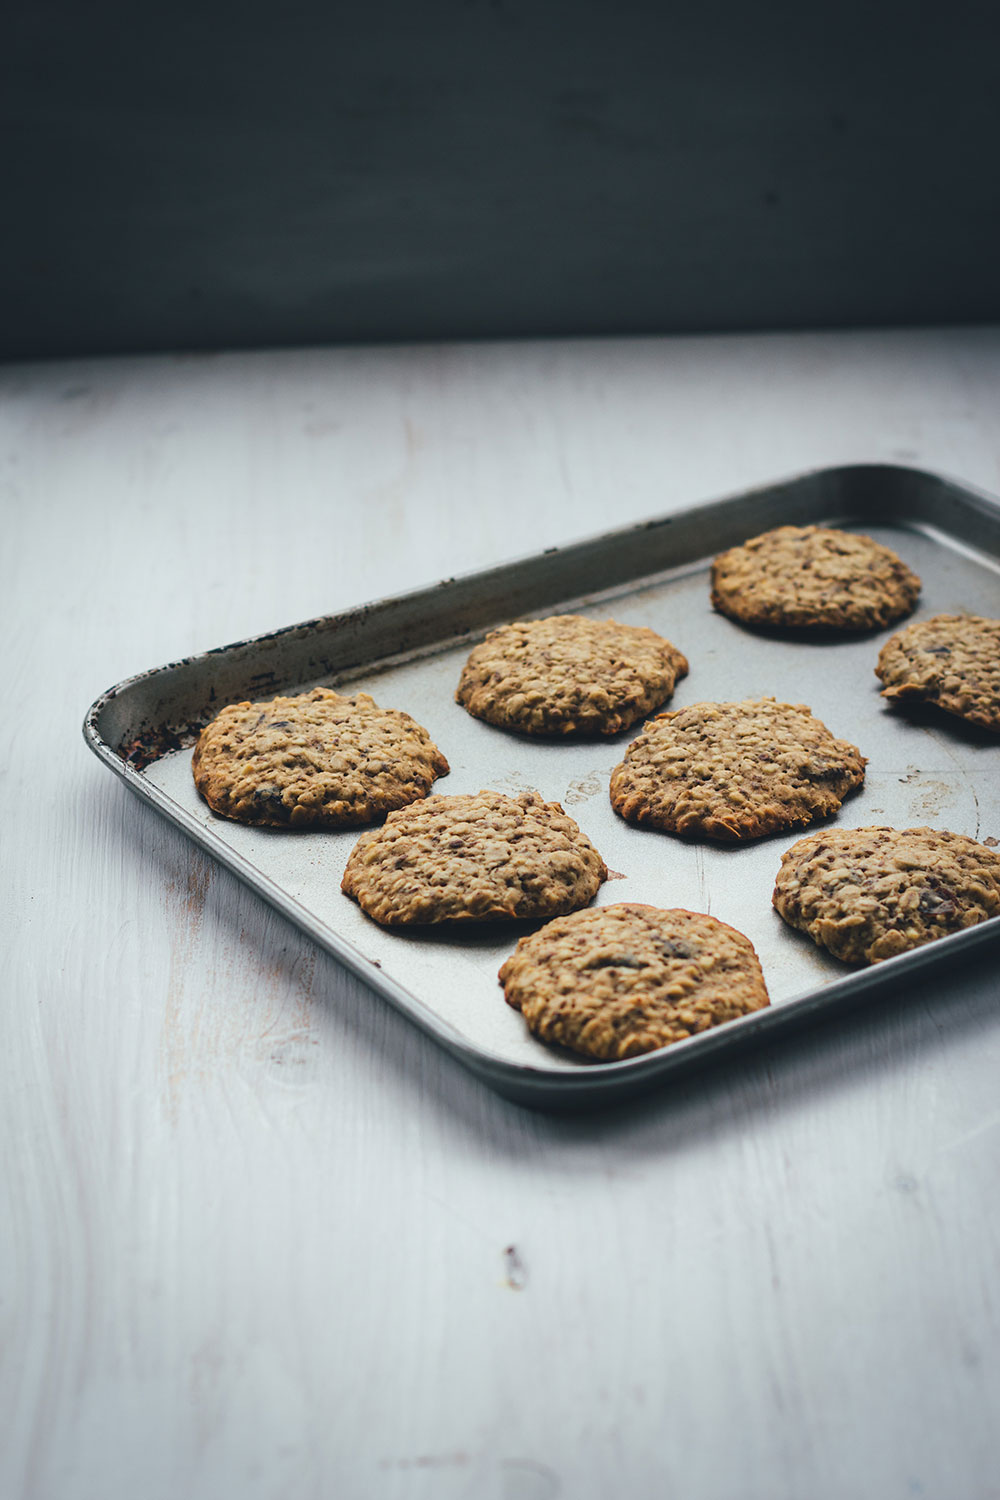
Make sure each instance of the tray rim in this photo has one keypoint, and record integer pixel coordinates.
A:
(592, 1083)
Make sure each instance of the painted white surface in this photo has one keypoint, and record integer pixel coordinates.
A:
(255, 1231)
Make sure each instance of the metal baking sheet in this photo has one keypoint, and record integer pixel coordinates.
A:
(924, 767)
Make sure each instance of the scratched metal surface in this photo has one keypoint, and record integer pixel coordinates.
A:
(923, 768)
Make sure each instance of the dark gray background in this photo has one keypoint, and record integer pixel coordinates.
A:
(233, 174)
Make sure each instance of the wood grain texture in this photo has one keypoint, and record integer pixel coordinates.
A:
(258, 1236)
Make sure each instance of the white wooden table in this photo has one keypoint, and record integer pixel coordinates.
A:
(260, 1238)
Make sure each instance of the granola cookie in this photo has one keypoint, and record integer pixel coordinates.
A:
(316, 760)
(813, 576)
(569, 675)
(480, 858)
(950, 660)
(734, 771)
(616, 981)
(870, 893)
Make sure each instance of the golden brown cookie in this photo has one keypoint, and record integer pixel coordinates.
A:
(813, 576)
(734, 771)
(316, 760)
(951, 660)
(569, 675)
(480, 858)
(616, 981)
(870, 893)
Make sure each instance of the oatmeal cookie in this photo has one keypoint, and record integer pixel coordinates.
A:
(478, 858)
(870, 893)
(316, 760)
(616, 981)
(569, 675)
(734, 771)
(951, 660)
(813, 576)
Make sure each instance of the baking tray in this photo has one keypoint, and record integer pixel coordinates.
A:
(924, 767)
